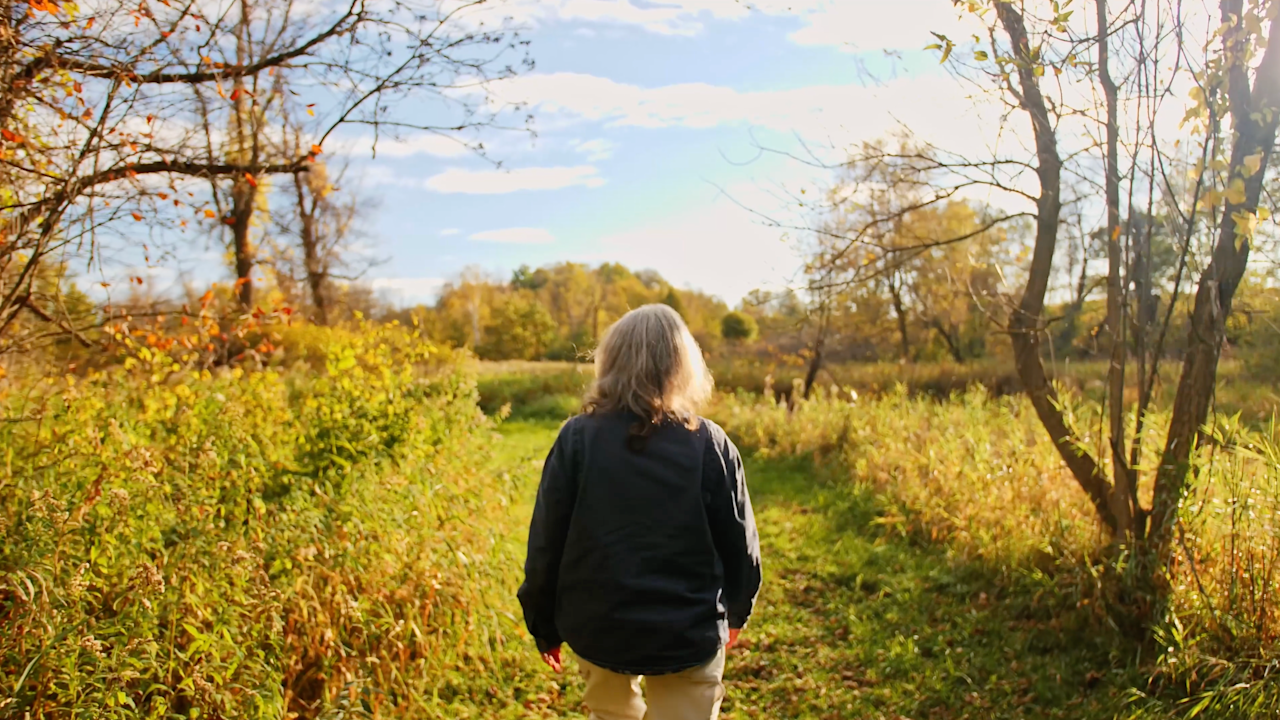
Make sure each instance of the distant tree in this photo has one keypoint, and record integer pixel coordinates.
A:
(520, 328)
(652, 279)
(580, 300)
(672, 300)
(325, 223)
(738, 326)
(526, 278)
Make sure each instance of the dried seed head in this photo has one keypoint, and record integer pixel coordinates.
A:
(147, 579)
(78, 582)
(89, 643)
(119, 498)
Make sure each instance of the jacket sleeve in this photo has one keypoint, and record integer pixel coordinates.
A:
(547, 533)
(733, 526)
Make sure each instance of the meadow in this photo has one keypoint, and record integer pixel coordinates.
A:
(337, 532)
(933, 557)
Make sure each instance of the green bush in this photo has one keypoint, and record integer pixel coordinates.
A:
(533, 390)
(235, 543)
(738, 326)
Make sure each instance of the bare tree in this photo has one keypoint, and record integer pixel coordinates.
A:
(1110, 84)
(325, 221)
(126, 113)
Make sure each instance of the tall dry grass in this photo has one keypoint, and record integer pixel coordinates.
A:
(977, 475)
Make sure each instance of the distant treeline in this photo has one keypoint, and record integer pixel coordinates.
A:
(559, 311)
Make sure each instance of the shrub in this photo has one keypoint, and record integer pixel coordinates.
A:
(236, 543)
(738, 326)
(545, 390)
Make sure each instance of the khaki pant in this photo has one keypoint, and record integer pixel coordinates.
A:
(693, 694)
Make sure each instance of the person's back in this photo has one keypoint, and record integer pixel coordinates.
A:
(643, 553)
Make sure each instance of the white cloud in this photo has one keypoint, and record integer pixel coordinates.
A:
(416, 144)
(496, 182)
(449, 231)
(595, 150)
(409, 291)
(677, 17)
(936, 107)
(862, 25)
(869, 25)
(516, 235)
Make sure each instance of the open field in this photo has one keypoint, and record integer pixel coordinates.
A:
(933, 559)
(341, 535)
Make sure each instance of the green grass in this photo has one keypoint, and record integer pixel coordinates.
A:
(854, 622)
(532, 390)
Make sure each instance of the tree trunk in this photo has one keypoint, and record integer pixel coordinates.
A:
(317, 275)
(243, 190)
(953, 344)
(1122, 500)
(242, 200)
(815, 362)
(1255, 113)
(1026, 322)
(895, 291)
(1067, 338)
(1146, 311)
(475, 318)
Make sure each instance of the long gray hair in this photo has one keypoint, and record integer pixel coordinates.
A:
(649, 363)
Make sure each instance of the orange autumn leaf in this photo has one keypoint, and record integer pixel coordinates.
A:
(316, 150)
(210, 213)
(137, 216)
(251, 180)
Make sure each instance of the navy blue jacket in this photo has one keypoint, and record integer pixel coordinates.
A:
(640, 557)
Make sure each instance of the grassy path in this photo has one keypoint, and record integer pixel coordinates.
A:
(854, 623)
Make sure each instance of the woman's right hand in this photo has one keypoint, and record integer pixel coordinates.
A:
(552, 659)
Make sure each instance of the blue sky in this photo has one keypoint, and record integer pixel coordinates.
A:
(648, 117)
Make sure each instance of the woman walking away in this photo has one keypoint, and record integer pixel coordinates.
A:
(643, 553)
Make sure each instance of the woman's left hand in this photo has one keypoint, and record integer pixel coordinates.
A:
(552, 659)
